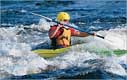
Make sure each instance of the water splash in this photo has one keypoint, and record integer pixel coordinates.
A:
(17, 59)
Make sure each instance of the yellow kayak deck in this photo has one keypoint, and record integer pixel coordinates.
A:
(49, 53)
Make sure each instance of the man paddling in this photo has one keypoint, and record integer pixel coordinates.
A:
(60, 35)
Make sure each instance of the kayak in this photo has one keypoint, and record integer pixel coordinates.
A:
(113, 52)
(50, 53)
(120, 52)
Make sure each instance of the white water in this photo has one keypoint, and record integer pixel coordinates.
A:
(16, 57)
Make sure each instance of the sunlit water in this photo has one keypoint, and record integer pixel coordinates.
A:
(86, 59)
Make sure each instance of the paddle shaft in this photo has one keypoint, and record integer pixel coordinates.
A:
(51, 20)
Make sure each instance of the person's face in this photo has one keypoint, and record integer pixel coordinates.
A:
(65, 22)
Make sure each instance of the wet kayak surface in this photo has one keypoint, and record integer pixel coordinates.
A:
(88, 58)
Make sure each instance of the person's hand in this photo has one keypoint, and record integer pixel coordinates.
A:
(60, 25)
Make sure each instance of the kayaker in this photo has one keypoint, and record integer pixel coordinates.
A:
(60, 35)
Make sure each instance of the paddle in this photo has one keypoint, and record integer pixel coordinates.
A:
(51, 20)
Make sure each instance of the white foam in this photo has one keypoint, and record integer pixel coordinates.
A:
(115, 68)
(75, 57)
(43, 25)
(117, 38)
(122, 59)
(16, 57)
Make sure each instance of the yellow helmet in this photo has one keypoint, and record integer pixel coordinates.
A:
(63, 16)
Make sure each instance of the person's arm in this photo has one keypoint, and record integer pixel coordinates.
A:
(80, 34)
(52, 33)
